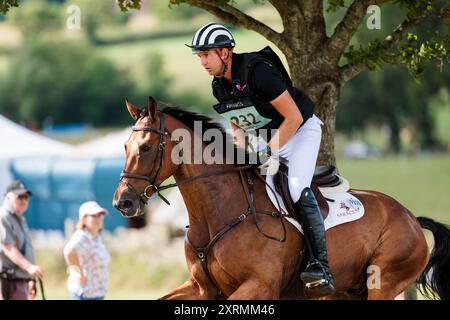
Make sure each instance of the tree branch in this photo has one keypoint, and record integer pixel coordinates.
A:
(351, 70)
(282, 6)
(292, 17)
(400, 31)
(231, 15)
(345, 30)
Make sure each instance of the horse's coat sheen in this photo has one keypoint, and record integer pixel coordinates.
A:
(247, 265)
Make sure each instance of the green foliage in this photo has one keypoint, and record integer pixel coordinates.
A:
(415, 55)
(415, 50)
(95, 14)
(373, 56)
(5, 5)
(158, 83)
(391, 97)
(416, 6)
(64, 80)
(125, 5)
(36, 17)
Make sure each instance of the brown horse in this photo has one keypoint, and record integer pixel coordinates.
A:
(237, 253)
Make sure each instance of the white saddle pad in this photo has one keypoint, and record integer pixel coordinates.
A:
(343, 209)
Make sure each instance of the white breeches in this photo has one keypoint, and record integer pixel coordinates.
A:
(300, 153)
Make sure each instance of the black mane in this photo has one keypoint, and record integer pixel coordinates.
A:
(188, 118)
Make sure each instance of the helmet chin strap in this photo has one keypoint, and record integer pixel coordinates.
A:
(224, 65)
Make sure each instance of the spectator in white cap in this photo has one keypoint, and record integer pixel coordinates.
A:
(87, 256)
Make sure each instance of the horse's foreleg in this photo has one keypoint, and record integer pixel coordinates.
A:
(255, 289)
(187, 291)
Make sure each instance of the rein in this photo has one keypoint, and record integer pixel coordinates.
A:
(41, 287)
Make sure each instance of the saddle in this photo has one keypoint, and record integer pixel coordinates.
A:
(324, 176)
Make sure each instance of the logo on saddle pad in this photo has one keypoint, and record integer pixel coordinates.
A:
(350, 207)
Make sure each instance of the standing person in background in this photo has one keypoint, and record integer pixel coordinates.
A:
(87, 256)
(17, 258)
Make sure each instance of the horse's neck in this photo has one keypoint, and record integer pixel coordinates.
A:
(203, 197)
(206, 214)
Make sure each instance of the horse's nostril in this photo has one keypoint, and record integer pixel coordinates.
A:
(125, 204)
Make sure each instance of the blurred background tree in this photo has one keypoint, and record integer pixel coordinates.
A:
(157, 63)
(37, 17)
(182, 12)
(95, 14)
(66, 81)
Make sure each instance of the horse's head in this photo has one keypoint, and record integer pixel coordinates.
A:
(147, 162)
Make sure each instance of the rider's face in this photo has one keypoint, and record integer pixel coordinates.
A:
(210, 60)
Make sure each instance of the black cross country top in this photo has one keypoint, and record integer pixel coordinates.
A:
(257, 79)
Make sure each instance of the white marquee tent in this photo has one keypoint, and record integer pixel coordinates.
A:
(110, 145)
(19, 142)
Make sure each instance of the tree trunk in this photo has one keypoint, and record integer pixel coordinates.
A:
(394, 138)
(326, 98)
(326, 111)
(316, 77)
(424, 120)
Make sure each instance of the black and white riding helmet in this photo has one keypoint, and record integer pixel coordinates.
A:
(212, 35)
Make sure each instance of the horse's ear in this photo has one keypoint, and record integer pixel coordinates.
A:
(152, 107)
(134, 111)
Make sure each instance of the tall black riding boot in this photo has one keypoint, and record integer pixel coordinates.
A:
(317, 273)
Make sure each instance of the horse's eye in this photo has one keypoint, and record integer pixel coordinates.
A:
(145, 148)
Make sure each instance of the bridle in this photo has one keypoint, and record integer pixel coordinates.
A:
(163, 133)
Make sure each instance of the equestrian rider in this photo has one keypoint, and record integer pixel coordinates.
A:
(255, 92)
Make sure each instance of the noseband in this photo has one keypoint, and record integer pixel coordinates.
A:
(152, 186)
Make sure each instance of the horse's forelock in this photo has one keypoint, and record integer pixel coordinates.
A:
(144, 113)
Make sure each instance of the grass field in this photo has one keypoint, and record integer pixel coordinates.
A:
(422, 184)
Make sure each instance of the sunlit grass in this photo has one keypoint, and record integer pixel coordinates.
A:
(421, 184)
(3, 64)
